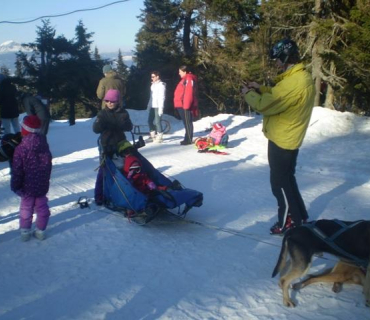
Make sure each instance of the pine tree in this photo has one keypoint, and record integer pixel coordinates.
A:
(5, 70)
(122, 69)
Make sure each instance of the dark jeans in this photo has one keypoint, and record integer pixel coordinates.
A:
(187, 119)
(284, 185)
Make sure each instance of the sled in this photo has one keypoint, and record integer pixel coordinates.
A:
(121, 196)
(144, 129)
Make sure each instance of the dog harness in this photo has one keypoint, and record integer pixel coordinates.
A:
(331, 240)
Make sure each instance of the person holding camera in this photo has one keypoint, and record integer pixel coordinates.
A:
(286, 110)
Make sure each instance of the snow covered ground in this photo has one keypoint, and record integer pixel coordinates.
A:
(96, 265)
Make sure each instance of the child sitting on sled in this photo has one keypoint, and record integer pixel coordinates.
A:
(217, 140)
(133, 171)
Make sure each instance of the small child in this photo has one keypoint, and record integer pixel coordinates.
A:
(219, 135)
(216, 140)
(132, 168)
(31, 170)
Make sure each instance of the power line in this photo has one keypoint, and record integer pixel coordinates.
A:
(63, 14)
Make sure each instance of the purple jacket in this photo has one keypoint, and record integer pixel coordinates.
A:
(31, 167)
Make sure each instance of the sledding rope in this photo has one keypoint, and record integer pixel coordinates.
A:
(250, 236)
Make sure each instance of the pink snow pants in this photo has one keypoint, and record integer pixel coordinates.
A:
(28, 206)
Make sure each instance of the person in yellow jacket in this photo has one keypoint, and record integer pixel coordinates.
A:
(286, 110)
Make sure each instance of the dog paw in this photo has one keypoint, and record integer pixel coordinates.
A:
(337, 287)
(289, 303)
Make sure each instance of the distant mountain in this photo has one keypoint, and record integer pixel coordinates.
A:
(9, 49)
(12, 46)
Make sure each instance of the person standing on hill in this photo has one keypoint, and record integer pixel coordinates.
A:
(111, 123)
(110, 81)
(9, 112)
(286, 110)
(30, 179)
(156, 106)
(186, 101)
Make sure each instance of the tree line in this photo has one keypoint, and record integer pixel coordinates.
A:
(225, 42)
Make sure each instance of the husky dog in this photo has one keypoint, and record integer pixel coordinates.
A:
(349, 241)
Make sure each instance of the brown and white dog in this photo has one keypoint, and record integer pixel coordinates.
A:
(342, 272)
(350, 245)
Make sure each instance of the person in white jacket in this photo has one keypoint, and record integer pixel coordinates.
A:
(156, 106)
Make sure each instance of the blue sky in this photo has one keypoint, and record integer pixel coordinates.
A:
(114, 26)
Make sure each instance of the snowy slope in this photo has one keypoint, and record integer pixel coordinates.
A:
(96, 265)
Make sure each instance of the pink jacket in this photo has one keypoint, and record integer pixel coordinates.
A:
(217, 134)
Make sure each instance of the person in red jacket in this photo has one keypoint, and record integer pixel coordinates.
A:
(186, 101)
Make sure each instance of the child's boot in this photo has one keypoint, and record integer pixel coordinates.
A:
(25, 234)
(39, 234)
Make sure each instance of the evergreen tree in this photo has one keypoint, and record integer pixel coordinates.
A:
(97, 56)
(79, 75)
(157, 48)
(5, 70)
(122, 69)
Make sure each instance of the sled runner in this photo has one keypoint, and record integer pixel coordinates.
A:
(120, 195)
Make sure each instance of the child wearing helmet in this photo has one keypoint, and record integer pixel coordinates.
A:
(133, 170)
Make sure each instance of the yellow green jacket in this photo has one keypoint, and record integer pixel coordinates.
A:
(286, 107)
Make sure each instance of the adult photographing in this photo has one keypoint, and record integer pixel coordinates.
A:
(286, 110)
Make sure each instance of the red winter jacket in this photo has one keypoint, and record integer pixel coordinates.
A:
(186, 94)
(132, 170)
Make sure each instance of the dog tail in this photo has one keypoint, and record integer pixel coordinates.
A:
(282, 258)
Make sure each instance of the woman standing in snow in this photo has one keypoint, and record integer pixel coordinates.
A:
(156, 106)
(186, 101)
(31, 170)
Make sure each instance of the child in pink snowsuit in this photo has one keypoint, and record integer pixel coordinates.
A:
(217, 133)
(31, 170)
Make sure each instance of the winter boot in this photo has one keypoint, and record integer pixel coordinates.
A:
(25, 234)
(152, 136)
(159, 138)
(39, 234)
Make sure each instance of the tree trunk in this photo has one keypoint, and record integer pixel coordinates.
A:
(317, 48)
(329, 99)
(72, 113)
(186, 34)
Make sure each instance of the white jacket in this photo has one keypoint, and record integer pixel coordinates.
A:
(157, 96)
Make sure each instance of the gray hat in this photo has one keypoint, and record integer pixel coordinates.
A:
(107, 68)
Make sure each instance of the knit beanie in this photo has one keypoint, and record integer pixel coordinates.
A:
(112, 95)
(107, 68)
(30, 124)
